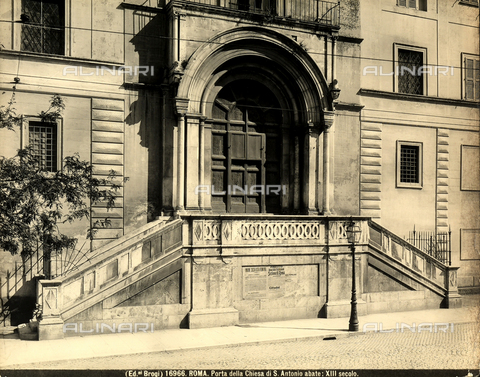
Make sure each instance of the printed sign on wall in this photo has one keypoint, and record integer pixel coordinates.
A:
(267, 282)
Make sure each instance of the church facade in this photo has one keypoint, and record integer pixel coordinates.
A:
(263, 126)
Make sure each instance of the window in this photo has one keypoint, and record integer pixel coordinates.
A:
(261, 6)
(43, 26)
(409, 164)
(42, 138)
(469, 2)
(410, 75)
(471, 75)
(413, 4)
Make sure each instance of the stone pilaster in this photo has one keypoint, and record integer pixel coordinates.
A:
(452, 298)
(442, 180)
(49, 296)
(107, 154)
(371, 170)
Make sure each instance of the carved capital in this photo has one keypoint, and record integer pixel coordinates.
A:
(328, 119)
(312, 129)
(181, 106)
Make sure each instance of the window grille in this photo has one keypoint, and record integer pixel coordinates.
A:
(42, 139)
(409, 165)
(43, 26)
(409, 162)
(414, 4)
(409, 79)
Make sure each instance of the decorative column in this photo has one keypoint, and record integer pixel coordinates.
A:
(181, 106)
(311, 169)
(329, 117)
(181, 163)
(49, 297)
(201, 166)
(334, 50)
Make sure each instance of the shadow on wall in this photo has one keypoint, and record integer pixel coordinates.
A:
(19, 308)
(150, 44)
(145, 111)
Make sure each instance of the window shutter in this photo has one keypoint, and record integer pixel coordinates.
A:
(402, 3)
(469, 79)
(412, 4)
(476, 75)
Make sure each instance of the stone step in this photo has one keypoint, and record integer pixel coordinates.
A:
(471, 300)
(7, 330)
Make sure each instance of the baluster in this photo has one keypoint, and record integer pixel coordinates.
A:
(15, 276)
(8, 284)
(449, 246)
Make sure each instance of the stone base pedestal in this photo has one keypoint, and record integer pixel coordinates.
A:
(452, 301)
(50, 328)
(212, 318)
(342, 309)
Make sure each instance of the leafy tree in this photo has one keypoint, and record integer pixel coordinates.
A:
(34, 201)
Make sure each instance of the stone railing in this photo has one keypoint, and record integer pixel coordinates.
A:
(119, 259)
(415, 260)
(102, 273)
(229, 230)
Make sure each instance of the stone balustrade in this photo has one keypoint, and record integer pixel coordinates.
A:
(416, 260)
(273, 230)
(120, 260)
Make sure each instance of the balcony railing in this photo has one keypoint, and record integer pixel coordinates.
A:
(325, 13)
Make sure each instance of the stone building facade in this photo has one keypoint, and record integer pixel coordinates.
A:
(252, 121)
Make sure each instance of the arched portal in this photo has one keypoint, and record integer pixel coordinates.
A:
(257, 102)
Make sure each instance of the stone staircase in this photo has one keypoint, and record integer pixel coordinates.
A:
(208, 270)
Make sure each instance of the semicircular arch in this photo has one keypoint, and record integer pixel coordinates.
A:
(297, 77)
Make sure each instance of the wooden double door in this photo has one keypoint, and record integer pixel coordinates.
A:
(247, 144)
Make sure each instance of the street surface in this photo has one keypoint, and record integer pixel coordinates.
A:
(459, 349)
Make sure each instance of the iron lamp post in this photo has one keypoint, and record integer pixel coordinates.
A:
(353, 235)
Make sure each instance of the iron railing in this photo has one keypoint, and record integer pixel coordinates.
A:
(436, 244)
(40, 264)
(317, 11)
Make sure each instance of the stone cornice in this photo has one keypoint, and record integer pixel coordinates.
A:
(141, 8)
(417, 98)
(59, 58)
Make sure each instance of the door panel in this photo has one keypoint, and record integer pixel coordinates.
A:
(246, 149)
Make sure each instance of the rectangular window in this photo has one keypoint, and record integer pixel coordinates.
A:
(409, 164)
(410, 80)
(413, 4)
(471, 74)
(43, 26)
(42, 138)
(410, 67)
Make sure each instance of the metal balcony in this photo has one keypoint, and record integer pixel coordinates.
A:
(325, 13)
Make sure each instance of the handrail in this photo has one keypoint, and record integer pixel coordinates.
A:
(408, 255)
(126, 255)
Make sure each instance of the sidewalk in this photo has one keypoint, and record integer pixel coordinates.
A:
(17, 352)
